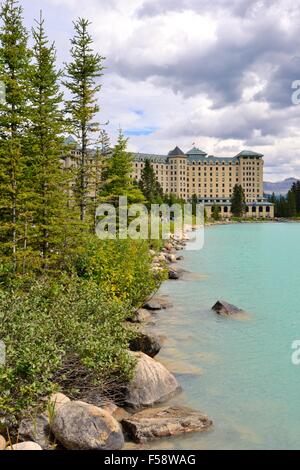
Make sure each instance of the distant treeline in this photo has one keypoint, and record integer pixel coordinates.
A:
(289, 205)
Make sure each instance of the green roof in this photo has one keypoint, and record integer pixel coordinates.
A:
(249, 153)
(177, 152)
(196, 151)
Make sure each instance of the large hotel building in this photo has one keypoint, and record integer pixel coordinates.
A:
(211, 178)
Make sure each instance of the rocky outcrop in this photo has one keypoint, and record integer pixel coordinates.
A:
(163, 301)
(225, 309)
(175, 273)
(152, 383)
(36, 429)
(118, 413)
(58, 399)
(148, 344)
(164, 422)
(24, 446)
(142, 316)
(80, 426)
(152, 305)
(2, 443)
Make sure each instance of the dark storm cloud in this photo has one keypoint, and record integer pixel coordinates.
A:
(222, 69)
(237, 7)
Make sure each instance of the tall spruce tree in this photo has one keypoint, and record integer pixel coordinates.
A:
(104, 142)
(45, 146)
(81, 81)
(238, 205)
(116, 177)
(291, 204)
(14, 67)
(149, 185)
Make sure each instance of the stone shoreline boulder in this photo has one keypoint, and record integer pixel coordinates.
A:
(225, 309)
(2, 443)
(152, 383)
(147, 344)
(175, 273)
(152, 305)
(24, 446)
(142, 316)
(169, 421)
(36, 429)
(81, 426)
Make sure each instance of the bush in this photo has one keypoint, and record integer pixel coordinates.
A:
(51, 325)
(121, 268)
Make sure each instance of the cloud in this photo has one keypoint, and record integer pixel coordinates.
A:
(178, 71)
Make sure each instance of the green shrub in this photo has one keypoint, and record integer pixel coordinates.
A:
(59, 335)
(121, 268)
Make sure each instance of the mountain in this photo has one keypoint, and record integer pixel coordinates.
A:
(281, 187)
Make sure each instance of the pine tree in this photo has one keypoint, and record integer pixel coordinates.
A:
(81, 77)
(238, 205)
(116, 177)
(194, 204)
(291, 204)
(215, 212)
(296, 191)
(45, 146)
(104, 141)
(149, 185)
(14, 68)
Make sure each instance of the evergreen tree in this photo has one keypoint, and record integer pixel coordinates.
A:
(215, 212)
(81, 77)
(104, 141)
(14, 67)
(45, 146)
(149, 185)
(238, 205)
(291, 204)
(116, 177)
(194, 204)
(296, 191)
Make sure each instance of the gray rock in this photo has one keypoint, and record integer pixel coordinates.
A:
(142, 316)
(152, 305)
(36, 429)
(175, 274)
(58, 399)
(171, 258)
(164, 422)
(148, 344)
(24, 446)
(2, 443)
(164, 301)
(80, 426)
(152, 383)
(225, 309)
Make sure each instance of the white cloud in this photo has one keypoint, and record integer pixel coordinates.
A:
(195, 70)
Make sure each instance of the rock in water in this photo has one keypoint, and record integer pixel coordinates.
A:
(142, 316)
(36, 429)
(164, 422)
(175, 274)
(24, 446)
(225, 309)
(148, 344)
(152, 383)
(152, 305)
(80, 426)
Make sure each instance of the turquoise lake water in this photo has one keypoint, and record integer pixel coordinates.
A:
(239, 372)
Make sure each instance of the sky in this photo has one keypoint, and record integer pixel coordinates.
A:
(214, 73)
